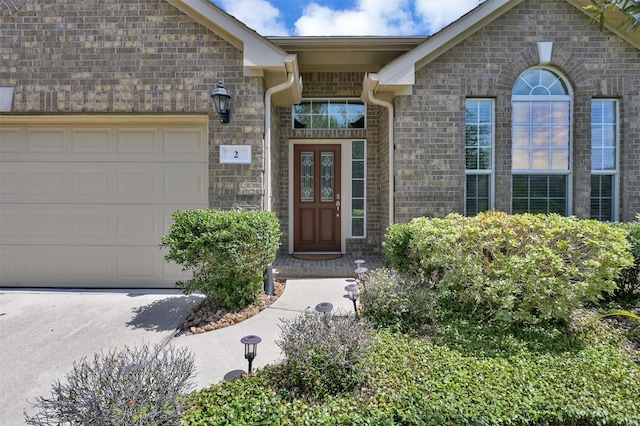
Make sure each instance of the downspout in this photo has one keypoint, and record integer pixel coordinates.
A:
(389, 107)
(267, 136)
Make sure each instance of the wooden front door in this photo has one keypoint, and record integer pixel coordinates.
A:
(317, 203)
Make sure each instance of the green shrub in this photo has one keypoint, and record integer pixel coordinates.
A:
(227, 252)
(324, 353)
(398, 301)
(627, 291)
(519, 268)
(139, 386)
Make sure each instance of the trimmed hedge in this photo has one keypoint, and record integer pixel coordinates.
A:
(226, 251)
(514, 268)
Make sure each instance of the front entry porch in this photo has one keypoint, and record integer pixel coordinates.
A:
(286, 266)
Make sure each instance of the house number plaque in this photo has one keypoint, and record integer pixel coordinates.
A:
(238, 154)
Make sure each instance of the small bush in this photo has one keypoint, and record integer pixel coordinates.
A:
(399, 302)
(324, 353)
(627, 291)
(520, 268)
(226, 251)
(139, 386)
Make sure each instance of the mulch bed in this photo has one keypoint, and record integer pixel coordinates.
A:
(209, 315)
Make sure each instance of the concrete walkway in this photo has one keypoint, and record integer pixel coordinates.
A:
(42, 333)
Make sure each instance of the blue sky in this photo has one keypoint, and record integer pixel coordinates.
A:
(346, 17)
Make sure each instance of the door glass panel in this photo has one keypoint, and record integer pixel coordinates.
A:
(306, 177)
(326, 188)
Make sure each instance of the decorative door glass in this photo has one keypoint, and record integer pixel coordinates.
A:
(327, 167)
(307, 177)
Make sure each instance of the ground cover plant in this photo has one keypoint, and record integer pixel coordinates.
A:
(470, 374)
(227, 252)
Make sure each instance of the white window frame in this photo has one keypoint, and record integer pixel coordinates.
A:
(615, 193)
(364, 198)
(491, 171)
(335, 100)
(547, 172)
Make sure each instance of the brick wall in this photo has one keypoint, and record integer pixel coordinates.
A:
(128, 56)
(430, 123)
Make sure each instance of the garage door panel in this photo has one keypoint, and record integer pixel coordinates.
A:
(137, 141)
(86, 204)
(86, 266)
(129, 143)
(45, 141)
(90, 141)
(77, 224)
(90, 183)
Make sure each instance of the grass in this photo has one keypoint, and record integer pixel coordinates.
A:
(463, 373)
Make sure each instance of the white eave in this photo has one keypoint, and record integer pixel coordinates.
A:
(261, 57)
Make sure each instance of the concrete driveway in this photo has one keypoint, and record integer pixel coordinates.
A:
(42, 333)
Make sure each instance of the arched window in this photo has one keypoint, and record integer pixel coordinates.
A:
(541, 143)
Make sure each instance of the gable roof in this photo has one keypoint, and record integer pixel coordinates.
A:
(261, 57)
(398, 76)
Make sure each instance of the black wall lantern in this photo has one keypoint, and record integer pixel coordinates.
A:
(221, 102)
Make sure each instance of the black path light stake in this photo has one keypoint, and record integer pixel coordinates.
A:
(324, 308)
(250, 348)
(353, 292)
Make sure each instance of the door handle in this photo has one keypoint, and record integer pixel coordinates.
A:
(338, 205)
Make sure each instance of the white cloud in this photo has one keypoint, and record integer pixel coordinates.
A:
(365, 17)
(435, 14)
(259, 15)
(369, 17)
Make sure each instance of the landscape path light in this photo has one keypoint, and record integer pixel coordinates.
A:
(324, 308)
(353, 292)
(250, 348)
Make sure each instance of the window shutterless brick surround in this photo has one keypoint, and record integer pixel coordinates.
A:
(430, 131)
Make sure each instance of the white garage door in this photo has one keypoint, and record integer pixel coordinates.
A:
(85, 200)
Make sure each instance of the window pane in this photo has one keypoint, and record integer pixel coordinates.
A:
(333, 114)
(357, 170)
(602, 197)
(539, 194)
(358, 208)
(357, 189)
(357, 150)
(520, 159)
(357, 227)
(477, 194)
(540, 112)
(559, 159)
(540, 159)
(520, 112)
